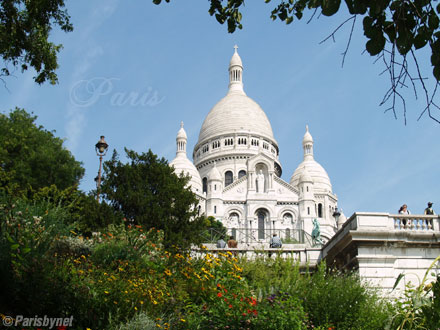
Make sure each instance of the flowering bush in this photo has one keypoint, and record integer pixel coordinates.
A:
(123, 276)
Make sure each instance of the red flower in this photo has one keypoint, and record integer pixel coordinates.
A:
(244, 314)
(226, 291)
(255, 312)
(254, 302)
(230, 306)
(219, 294)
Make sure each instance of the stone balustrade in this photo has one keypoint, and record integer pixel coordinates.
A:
(304, 256)
(381, 246)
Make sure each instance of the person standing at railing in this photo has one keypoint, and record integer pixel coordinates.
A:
(404, 210)
(429, 210)
(275, 241)
(232, 243)
(221, 244)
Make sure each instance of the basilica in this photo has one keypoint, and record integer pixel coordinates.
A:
(236, 173)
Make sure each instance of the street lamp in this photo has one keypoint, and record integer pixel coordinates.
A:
(101, 149)
(336, 214)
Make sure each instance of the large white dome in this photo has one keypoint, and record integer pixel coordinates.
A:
(235, 113)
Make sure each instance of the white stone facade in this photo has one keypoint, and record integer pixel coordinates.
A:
(381, 248)
(238, 173)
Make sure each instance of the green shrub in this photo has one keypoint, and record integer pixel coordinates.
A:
(140, 321)
(330, 299)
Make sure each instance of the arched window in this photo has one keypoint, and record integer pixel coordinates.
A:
(234, 217)
(319, 210)
(241, 174)
(228, 178)
(234, 233)
(287, 218)
(261, 219)
(205, 185)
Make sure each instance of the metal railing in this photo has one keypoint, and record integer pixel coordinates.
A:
(251, 235)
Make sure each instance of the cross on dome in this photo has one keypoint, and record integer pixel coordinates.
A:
(235, 48)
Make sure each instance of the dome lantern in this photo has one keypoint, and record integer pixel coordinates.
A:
(181, 140)
(308, 144)
(236, 73)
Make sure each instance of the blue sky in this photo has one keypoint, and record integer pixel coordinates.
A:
(172, 61)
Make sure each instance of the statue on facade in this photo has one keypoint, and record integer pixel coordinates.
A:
(316, 233)
(260, 182)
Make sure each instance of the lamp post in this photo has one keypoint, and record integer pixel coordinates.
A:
(336, 214)
(101, 149)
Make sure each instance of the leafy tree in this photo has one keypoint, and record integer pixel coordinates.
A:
(148, 193)
(32, 158)
(25, 26)
(395, 29)
(84, 210)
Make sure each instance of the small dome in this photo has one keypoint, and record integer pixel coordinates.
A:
(183, 165)
(214, 174)
(316, 171)
(181, 134)
(307, 137)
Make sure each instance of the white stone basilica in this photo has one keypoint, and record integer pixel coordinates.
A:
(236, 173)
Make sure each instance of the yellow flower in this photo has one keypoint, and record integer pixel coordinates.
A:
(158, 325)
(83, 256)
(167, 271)
(141, 302)
(106, 292)
(182, 320)
(115, 302)
(135, 308)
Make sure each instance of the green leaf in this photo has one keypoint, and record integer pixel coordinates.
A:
(401, 275)
(330, 7)
(436, 72)
(433, 20)
(15, 246)
(26, 250)
(376, 45)
(420, 41)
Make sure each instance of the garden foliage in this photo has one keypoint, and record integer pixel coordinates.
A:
(124, 276)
